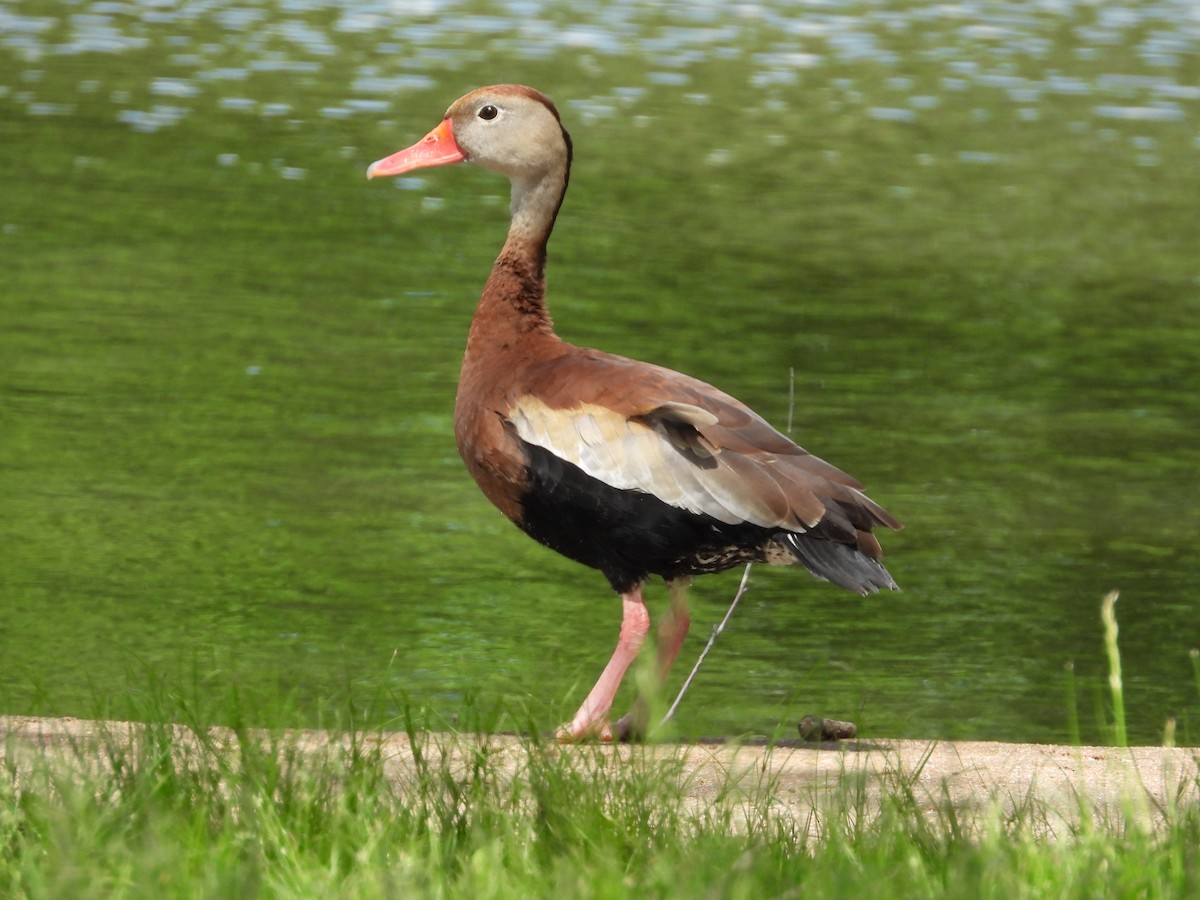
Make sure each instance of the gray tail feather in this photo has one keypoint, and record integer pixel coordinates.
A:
(842, 564)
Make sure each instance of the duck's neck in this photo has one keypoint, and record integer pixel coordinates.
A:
(514, 298)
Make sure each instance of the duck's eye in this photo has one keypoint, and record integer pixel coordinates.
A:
(488, 112)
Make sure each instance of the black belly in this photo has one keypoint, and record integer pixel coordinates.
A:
(628, 535)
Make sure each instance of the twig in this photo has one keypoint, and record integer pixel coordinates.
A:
(791, 396)
(712, 639)
(745, 577)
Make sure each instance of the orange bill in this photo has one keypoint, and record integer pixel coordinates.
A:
(438, 148)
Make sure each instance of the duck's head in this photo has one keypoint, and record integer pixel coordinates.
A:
(508, 128)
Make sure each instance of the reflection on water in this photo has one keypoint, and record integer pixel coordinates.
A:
(973, 45)
(937, 182)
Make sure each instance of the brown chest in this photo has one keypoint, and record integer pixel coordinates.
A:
(489, 448)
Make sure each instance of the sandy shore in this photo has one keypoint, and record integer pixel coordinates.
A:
(1059, 781)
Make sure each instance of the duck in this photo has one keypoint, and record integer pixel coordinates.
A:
(627, 467)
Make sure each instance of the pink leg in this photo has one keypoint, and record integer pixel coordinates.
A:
(593, 715)
(672, 630)
(674, 627)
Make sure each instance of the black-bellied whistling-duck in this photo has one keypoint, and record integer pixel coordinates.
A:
(626, 467)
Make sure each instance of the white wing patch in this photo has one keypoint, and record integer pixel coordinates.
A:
(659, 453)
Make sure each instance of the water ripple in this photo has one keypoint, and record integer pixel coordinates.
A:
(969, 53)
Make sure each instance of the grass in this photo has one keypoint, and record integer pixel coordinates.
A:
(1116, 684)
(193, 810)
(184, 812)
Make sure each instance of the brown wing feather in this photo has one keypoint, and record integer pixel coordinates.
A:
(636, 425)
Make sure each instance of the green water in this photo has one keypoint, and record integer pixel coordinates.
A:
(227, 362)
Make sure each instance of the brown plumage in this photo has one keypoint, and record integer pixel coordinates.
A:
(627, 467)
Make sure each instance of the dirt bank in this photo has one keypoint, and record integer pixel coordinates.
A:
(1138, 782)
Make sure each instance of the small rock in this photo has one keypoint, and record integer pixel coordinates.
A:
(816, 729)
